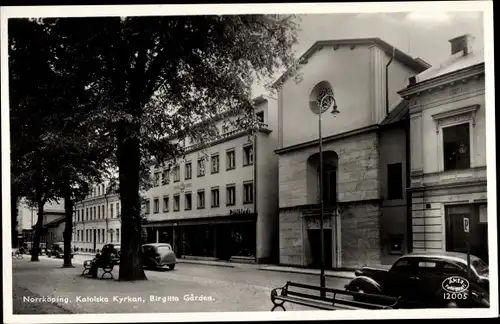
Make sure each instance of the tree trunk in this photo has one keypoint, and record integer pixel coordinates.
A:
(14, 199)
(68, 220)
(129, 157)
(35, 250)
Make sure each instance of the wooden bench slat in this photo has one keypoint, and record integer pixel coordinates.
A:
(335, 302)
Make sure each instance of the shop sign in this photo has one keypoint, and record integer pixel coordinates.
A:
(236, 212)
(466, 224)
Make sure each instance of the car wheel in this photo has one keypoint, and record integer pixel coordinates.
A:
(171, 266)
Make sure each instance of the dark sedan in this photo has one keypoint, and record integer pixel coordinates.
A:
(427, 279)
(158, 255)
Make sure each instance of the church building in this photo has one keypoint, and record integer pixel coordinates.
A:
(365, 154)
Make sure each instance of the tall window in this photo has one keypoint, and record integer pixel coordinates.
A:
(177, 174)
(78, 236)
(456, 147)
(260, 116)
(156, 179)
(230, 160)
(215, 197)
(201, 199)
(395, 181)
(86, 214)
(188, 201)
(86, 235)
(95, 212)
(177, 202)
(98, 212)
(111, 211)
(165, 204)
(78, 215)
(99, 190)
(248, 193)
(98, 236)
(117, 209)
(230, 195)
(146, 206)
(118, 235)
(156, 203)
(201, 167)
(189, 170)
(103, 235)
(248, 155)
(215, 163)
(166, 177)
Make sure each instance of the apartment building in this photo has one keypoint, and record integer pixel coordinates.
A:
(220, 201)
(448, 152)
(96, 220)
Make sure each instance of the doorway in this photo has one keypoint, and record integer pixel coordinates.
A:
(315, 244)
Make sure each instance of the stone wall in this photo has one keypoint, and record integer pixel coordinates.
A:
(357, 174)
(360, 234)
(291, 238)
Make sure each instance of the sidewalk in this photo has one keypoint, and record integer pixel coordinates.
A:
(45, 287)
(264, 267)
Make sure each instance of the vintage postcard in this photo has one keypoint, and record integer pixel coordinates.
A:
(248, 162)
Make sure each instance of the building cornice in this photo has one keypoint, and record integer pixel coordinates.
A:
(449, 79)
(438, 186)
(417, 65)
(296, 147)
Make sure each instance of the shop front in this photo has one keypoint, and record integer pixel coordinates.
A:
(215, 238)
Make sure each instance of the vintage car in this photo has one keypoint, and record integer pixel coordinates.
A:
(115, 252)
(427, 279)
(158, 255)
(57, 250)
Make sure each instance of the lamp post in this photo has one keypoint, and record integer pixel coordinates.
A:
(327, 102)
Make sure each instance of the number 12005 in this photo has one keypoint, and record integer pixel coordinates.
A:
(454, 296)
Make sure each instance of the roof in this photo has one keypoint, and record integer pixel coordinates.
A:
(455, 62)
(156, 244)
(399, 113)
(417, 64)
(445, 255)
(55, 222)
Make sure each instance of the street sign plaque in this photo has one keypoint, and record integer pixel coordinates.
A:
(466, 224)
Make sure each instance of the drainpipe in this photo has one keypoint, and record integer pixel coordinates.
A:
(409, 214)
(387, 81)
(255, 191)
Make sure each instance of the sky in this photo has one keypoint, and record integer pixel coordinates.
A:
(419, 34)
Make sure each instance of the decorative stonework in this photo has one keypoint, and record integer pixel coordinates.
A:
(314, 222)
(454, 116)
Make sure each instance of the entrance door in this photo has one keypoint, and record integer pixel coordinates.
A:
(315, 244)
(456, 238)
(95, 239)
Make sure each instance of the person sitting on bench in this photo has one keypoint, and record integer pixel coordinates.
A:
(100, 261)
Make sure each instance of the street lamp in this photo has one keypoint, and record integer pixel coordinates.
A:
(327, 102)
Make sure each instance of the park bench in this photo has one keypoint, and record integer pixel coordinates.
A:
(334, 299)
(87, 265)
(17, 254)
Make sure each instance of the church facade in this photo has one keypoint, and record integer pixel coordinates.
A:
(365, 155)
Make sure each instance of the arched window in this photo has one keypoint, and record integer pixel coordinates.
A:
(318, 93)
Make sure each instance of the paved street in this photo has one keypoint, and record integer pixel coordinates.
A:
(188, 288)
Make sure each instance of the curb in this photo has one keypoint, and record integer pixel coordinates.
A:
(331, 275)
(257, 267)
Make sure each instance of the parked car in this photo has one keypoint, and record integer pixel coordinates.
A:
(115, 252)
(158, 255)
(57, 250)
(420, 280)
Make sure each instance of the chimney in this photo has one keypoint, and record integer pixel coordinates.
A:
(462, 44)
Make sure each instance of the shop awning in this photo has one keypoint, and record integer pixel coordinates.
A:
(251, 217)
